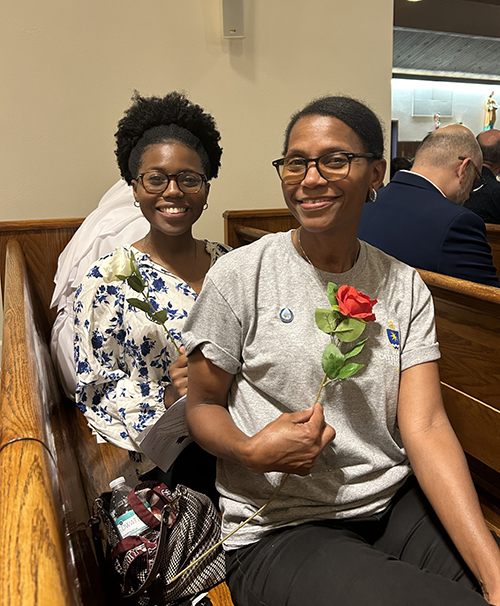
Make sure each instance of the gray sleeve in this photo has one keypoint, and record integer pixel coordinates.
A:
(421, 343)
(214, 327)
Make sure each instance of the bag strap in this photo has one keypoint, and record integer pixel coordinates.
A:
(163, 533)
(129, 543)
(142, 511)
(156, 564)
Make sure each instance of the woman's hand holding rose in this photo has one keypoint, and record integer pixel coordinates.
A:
(289, 444)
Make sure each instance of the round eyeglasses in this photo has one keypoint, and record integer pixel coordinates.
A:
(334, 166)
(187, 181)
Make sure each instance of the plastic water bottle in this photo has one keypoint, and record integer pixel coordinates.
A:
(127, 521)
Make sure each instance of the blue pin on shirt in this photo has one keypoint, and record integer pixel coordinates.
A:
(286, 315)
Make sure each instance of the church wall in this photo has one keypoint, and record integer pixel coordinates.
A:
(69, 69)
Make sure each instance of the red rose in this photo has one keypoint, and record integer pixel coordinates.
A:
(355, 304)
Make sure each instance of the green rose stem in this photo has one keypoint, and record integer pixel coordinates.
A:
(323, 383)
(152, 312)
(132, 275)
(217, 545)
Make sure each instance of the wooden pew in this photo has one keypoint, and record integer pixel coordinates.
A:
(39, 469)
(468, 327)
(493, 236)
(51, 467)
(42, 242)
(245, 226)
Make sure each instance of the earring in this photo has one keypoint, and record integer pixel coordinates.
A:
(372, 196)
(205, 206)
(137, 203)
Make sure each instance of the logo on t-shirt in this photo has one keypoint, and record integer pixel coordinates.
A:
(393, 335)
(286, 315)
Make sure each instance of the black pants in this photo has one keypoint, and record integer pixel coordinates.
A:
(194, 468)
(402, 557)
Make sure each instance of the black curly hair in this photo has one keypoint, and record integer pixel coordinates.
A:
(352, 112)
(151, 120)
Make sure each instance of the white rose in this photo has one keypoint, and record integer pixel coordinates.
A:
(121, 263)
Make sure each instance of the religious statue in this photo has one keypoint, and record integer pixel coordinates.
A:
(491, 112)
(437, 121)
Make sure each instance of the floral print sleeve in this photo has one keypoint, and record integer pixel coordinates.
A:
(122, 358)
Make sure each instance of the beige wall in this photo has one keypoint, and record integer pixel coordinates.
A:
(68, 70)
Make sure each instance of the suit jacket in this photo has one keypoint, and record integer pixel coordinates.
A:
(412, 221)
(486, 201)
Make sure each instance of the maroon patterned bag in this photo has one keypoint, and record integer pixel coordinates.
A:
(153, 570)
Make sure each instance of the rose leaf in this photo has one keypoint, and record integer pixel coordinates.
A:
(349, 370)
(331, 291)
(135, 283)
(140, 304)
(350, 329)
(325, 320)
(160, 317)
(356, 350)
(332, 361)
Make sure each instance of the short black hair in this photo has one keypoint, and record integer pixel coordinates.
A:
(400, 163)
(352, 112)
(151, 120)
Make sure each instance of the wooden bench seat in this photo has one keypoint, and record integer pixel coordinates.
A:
(51, 467)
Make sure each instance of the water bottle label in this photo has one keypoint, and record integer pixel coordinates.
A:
(129, 523)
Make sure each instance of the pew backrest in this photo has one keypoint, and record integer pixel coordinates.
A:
(42, 242)
(245, 226)
(493, 237)
(39, 469)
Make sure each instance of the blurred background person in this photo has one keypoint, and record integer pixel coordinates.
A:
(486, 201)
(419, 216)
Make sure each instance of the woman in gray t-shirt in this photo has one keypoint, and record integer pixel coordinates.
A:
(351, 525)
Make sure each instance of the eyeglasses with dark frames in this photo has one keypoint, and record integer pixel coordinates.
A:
(155, 182)
(479, 181)
(334, 166)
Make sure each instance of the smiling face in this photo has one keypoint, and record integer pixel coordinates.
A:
(330, 206)
(173, 212)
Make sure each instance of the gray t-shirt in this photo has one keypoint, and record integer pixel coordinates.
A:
(241, 321)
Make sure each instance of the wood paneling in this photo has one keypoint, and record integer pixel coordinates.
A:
(493, 235)
(42, 243)
(220, 595)
(236, 223)
(477, 425)
(33, 414)
(468, 327)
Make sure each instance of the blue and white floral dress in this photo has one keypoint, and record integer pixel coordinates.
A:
(122, 358)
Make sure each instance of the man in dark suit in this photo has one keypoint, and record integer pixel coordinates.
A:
(419, 218)
(486, 201)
